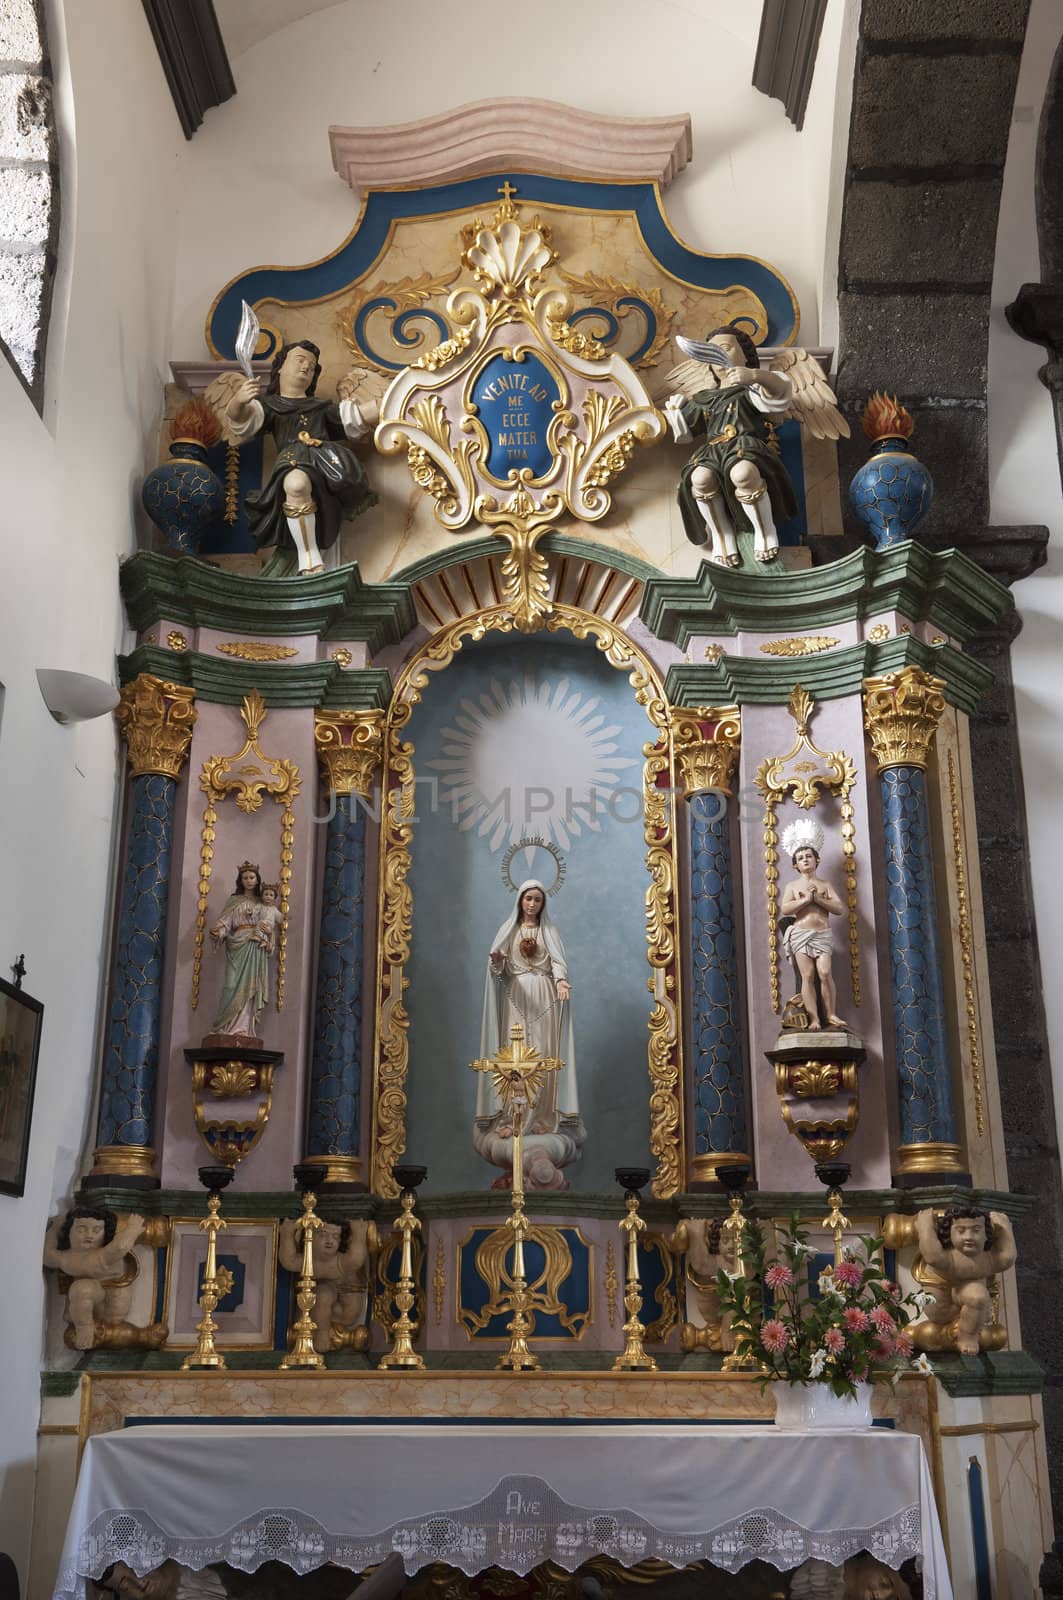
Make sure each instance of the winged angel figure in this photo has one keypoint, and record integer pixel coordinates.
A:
(735, 480)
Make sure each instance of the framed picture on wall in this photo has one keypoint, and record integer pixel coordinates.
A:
(20, 1039)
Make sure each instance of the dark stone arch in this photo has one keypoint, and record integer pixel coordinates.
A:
(932, 105)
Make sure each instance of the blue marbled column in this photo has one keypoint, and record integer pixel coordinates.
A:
(131, 1058)
(923, 1075)
(333, 1116)
(719, 1078)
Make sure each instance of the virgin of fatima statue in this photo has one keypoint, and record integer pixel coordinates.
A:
(527, 982)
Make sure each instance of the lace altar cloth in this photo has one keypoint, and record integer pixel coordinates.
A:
(511, 1495)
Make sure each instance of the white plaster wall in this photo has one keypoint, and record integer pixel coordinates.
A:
(1025, 487)
(69, 488)
(261, 186)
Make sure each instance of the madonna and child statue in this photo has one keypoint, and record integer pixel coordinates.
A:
(527, 982)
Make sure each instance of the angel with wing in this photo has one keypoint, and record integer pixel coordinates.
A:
(735, 480)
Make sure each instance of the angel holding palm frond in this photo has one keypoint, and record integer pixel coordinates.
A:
(735, 480)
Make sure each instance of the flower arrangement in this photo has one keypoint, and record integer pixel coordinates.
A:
(856, 1324)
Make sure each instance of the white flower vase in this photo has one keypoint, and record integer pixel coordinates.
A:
(814, 1405)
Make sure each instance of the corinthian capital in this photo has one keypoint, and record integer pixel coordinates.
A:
(901, 714)
(707, 742)
(349, 747)
(156, 719)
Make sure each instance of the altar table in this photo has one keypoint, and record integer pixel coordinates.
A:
(511, 1495)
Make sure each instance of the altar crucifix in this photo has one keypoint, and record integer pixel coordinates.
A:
(518, 1071)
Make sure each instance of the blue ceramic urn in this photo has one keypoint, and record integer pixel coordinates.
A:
(183, 496)
(892, 491)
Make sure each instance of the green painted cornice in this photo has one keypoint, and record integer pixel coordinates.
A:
(558, 544)
(333, 605)
(943, 587)
(768, 680)
(223, 681)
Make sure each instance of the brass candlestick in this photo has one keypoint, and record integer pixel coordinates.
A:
(402, 1354)
(301, 1354)
(633, 1357)
(741, 1358)
(206, 1357)
(519, 1071)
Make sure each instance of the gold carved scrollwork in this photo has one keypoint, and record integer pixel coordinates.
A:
(409, 294)
(257, 650)
(395, 907)
(808, 645)
(803, 781)
(664, 1293)
(249, 783)
(349, 747)
(231, 1141)
(612, 1283)
(508, 258)
(708, 740)
(156, 719)
(624, 298)
(544, 1291)
(901, 713)
(439, 1281)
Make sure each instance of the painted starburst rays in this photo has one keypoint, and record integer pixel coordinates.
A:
(531, 755)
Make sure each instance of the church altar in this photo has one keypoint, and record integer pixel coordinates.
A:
(511, 1495)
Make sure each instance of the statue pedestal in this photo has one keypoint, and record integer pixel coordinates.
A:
(232, 1071)
(816, 1082)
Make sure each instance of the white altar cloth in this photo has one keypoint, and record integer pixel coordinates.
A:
(510, 1495)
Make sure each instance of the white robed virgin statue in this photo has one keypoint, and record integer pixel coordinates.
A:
(527, 982)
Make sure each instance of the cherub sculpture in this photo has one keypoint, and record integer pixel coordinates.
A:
(316, 479)
(808, 940)
(342, 1252)
(735, 480)
(88, 1248)
(709, 1248)
(868, 1579)
(965, 1247)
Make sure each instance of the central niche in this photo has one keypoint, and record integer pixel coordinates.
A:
(528, 754)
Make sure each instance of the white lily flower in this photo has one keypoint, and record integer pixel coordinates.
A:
(922, 1299)
(827, 1285)
(922, 1365)
(800, 1248)
(817, 1363)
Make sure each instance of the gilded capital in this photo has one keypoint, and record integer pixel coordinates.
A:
(901, 714)
(349, 747)
(707, 742)
(156, 719)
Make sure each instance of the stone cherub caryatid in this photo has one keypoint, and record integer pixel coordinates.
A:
(964, 1248)
(343, 1249)
(88, 1247)
(808, 941)
(709, 1247)
(736, 481)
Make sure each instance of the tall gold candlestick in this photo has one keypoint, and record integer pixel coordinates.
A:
(741, 1358)
(518, 1072)
(301, 1353)
(633, 1357)
(402, 1354)
(517, 1357)
(206, 1357)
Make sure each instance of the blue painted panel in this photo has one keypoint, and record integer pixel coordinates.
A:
(235, 1298)
(574, 1291)
(364, 245)
(983, 1574)
(517, 401)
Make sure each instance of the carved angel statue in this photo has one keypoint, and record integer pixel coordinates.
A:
(316, 479)
(88, 1248)
(342, 1251)
(735, 480)
(709, 1249)
(964, 1247)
